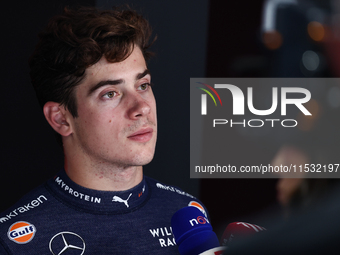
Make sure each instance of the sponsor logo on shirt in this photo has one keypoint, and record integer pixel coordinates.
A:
(67, 243)
(21, 232)
(142, 192)
(33, 204)
(173, 189)
(120, 200)
(164, 235)
(76, 193)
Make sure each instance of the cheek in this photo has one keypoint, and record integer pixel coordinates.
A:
(94, 115)
(92, 123)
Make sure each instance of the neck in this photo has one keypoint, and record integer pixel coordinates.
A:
(97, 173)
(106, 177)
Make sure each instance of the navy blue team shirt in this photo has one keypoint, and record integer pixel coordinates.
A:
(61, 217)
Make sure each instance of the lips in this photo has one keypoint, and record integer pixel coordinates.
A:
(142, 135)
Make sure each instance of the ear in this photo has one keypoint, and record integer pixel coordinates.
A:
(58, 117)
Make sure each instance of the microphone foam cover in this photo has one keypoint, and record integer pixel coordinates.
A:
(192, 231)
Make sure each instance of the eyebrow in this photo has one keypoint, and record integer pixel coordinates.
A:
(116, 82)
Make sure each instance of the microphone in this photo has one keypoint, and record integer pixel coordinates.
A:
(193, 233)
(237, 230)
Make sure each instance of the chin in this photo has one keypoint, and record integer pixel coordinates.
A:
(143, 158)
(146, 161)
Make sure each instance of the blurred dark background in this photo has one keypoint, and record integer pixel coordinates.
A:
(199, 38)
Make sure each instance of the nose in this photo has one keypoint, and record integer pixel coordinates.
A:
(138, 107)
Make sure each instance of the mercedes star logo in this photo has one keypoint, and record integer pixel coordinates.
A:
(64, 241)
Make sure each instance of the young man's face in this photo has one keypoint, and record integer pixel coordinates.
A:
(116, 120)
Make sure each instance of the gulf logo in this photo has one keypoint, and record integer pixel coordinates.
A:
(199, 206)
(21, 232)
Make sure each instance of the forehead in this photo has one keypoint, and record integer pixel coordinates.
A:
(125, 71)
(133, 63)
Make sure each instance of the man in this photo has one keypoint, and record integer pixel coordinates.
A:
(91, 78)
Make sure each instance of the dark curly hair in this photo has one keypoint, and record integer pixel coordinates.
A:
(77, 39)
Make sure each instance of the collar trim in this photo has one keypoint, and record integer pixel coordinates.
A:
(100, 201)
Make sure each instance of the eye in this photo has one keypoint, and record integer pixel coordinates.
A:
(144, 86)
(109, 94)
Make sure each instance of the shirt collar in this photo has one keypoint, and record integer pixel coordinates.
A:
(95, 200)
